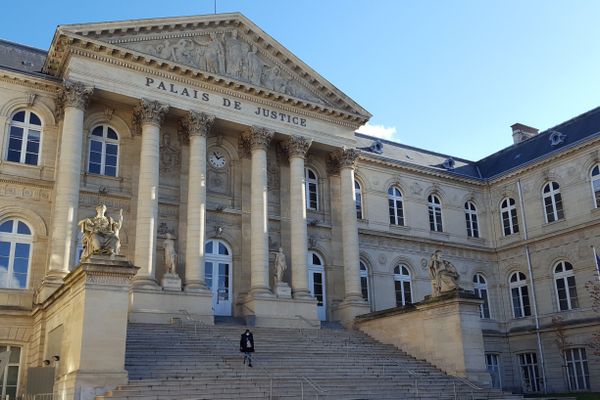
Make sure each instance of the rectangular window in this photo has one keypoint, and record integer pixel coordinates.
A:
(530, 374)
(492, 362)
(9, 381)
(364, 287)
(577, 369)
(484, 309)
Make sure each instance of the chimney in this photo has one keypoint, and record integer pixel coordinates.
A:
(521, 132)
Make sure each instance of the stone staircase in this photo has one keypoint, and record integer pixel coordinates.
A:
(204, 362)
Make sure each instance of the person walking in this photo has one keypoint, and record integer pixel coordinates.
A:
(247, 346)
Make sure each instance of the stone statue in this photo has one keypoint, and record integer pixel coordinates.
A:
(101, 234)
(280, 265)
(444, 277)
(170, 254)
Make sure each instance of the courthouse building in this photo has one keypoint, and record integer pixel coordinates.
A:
(211, 136)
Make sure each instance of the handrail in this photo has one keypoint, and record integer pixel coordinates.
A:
(189, 317)
(316, 325)
(314, 385)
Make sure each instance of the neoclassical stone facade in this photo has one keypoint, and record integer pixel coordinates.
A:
(205, 131)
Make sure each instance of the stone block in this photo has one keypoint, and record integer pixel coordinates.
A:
(162, 306)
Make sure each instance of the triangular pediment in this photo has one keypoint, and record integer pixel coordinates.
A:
(225, 48)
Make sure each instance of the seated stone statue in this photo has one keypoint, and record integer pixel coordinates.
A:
(444, 277)
(100, 234)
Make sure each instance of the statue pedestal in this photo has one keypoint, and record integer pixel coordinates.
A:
(444, 330)
(91, 308)
(171, 282)
(283, 290)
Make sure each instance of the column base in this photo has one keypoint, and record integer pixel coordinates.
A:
(196, 287)
(280, 312)
(145, 282)
(350, 308)
(261, 291)
(164, 307)
(52, 281)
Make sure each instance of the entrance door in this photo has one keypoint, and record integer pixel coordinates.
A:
(218, 275)
(316, 284)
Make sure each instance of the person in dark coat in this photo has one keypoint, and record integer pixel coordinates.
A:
(247, 346)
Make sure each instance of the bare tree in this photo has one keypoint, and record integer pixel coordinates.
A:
(593, 289)
(561, 341)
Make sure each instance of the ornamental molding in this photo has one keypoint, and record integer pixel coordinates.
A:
(197, 123)
(72, 94)
(344, 158)
(257, 138)
(148, 112)
(297, 146)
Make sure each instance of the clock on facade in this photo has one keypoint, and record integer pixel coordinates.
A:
(217, 159)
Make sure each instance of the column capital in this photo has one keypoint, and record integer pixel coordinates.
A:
(297, 146)
(73, 94)
(258, 137)
(343, 158)
(148, 112)
(197, 123)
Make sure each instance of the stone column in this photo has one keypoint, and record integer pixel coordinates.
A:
(72, 101)
(346, 159)
(148, 116)
(297, 146)
(259, 138)
(197, 126)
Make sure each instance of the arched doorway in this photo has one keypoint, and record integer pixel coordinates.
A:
(316, 283)
(218, 275)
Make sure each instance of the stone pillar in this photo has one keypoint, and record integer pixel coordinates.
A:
(148, 116)
(259, 139)
(197, 126)
(72, 101)
(297, 146)
(353, 303)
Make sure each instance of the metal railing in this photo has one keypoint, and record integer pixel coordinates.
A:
(188, 317)
(318, 389)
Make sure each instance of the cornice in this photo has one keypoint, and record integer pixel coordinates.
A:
(49, 84)
(66, 42)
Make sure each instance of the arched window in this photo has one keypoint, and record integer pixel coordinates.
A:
(402, 285)
(312, 189)
(520, 295)
(396, 206)
(564, 280)
(553, 207)
(481, 290)
(103, 157)
(508, 211)
(24, 138)
(15, 254)
(358, 199)
(471, 219)
(364, 281)
(435, 213)
(595, 175)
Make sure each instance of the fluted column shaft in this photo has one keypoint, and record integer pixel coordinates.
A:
(297, 147)
(259, 139)
(350, 247)
(197, 126)
(72, 100)
(149, 116)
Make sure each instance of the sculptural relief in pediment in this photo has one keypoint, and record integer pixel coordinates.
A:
(225, 54)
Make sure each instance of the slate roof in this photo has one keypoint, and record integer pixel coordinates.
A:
(21, 58)
(565, 135)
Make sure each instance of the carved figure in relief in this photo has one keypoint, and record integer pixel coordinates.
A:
(101, 234)
(234, 55)
(280, 265)
(215, 55)
(170, 254)
(255, 66)
(169, 155)
(444, 276)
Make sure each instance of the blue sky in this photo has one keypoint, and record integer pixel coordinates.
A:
(448, 76)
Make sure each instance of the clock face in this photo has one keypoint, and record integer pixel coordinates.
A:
(217, 159)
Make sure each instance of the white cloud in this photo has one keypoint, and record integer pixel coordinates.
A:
(380, 131)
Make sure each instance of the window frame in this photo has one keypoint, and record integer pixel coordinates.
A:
(478, 287)
(364, 274)
(552, 198)
(14, 238)
(105, 141)
(4, 375)
(528, 361)
(593, 179)
(489, 365)
(522, 288)
(359, 200)
(396, 206)
(571, 299)
(471, 219)
(307, 185)
(402, 279)
(582, 362)
(513, 219)
(434, 210)
(26, 126)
